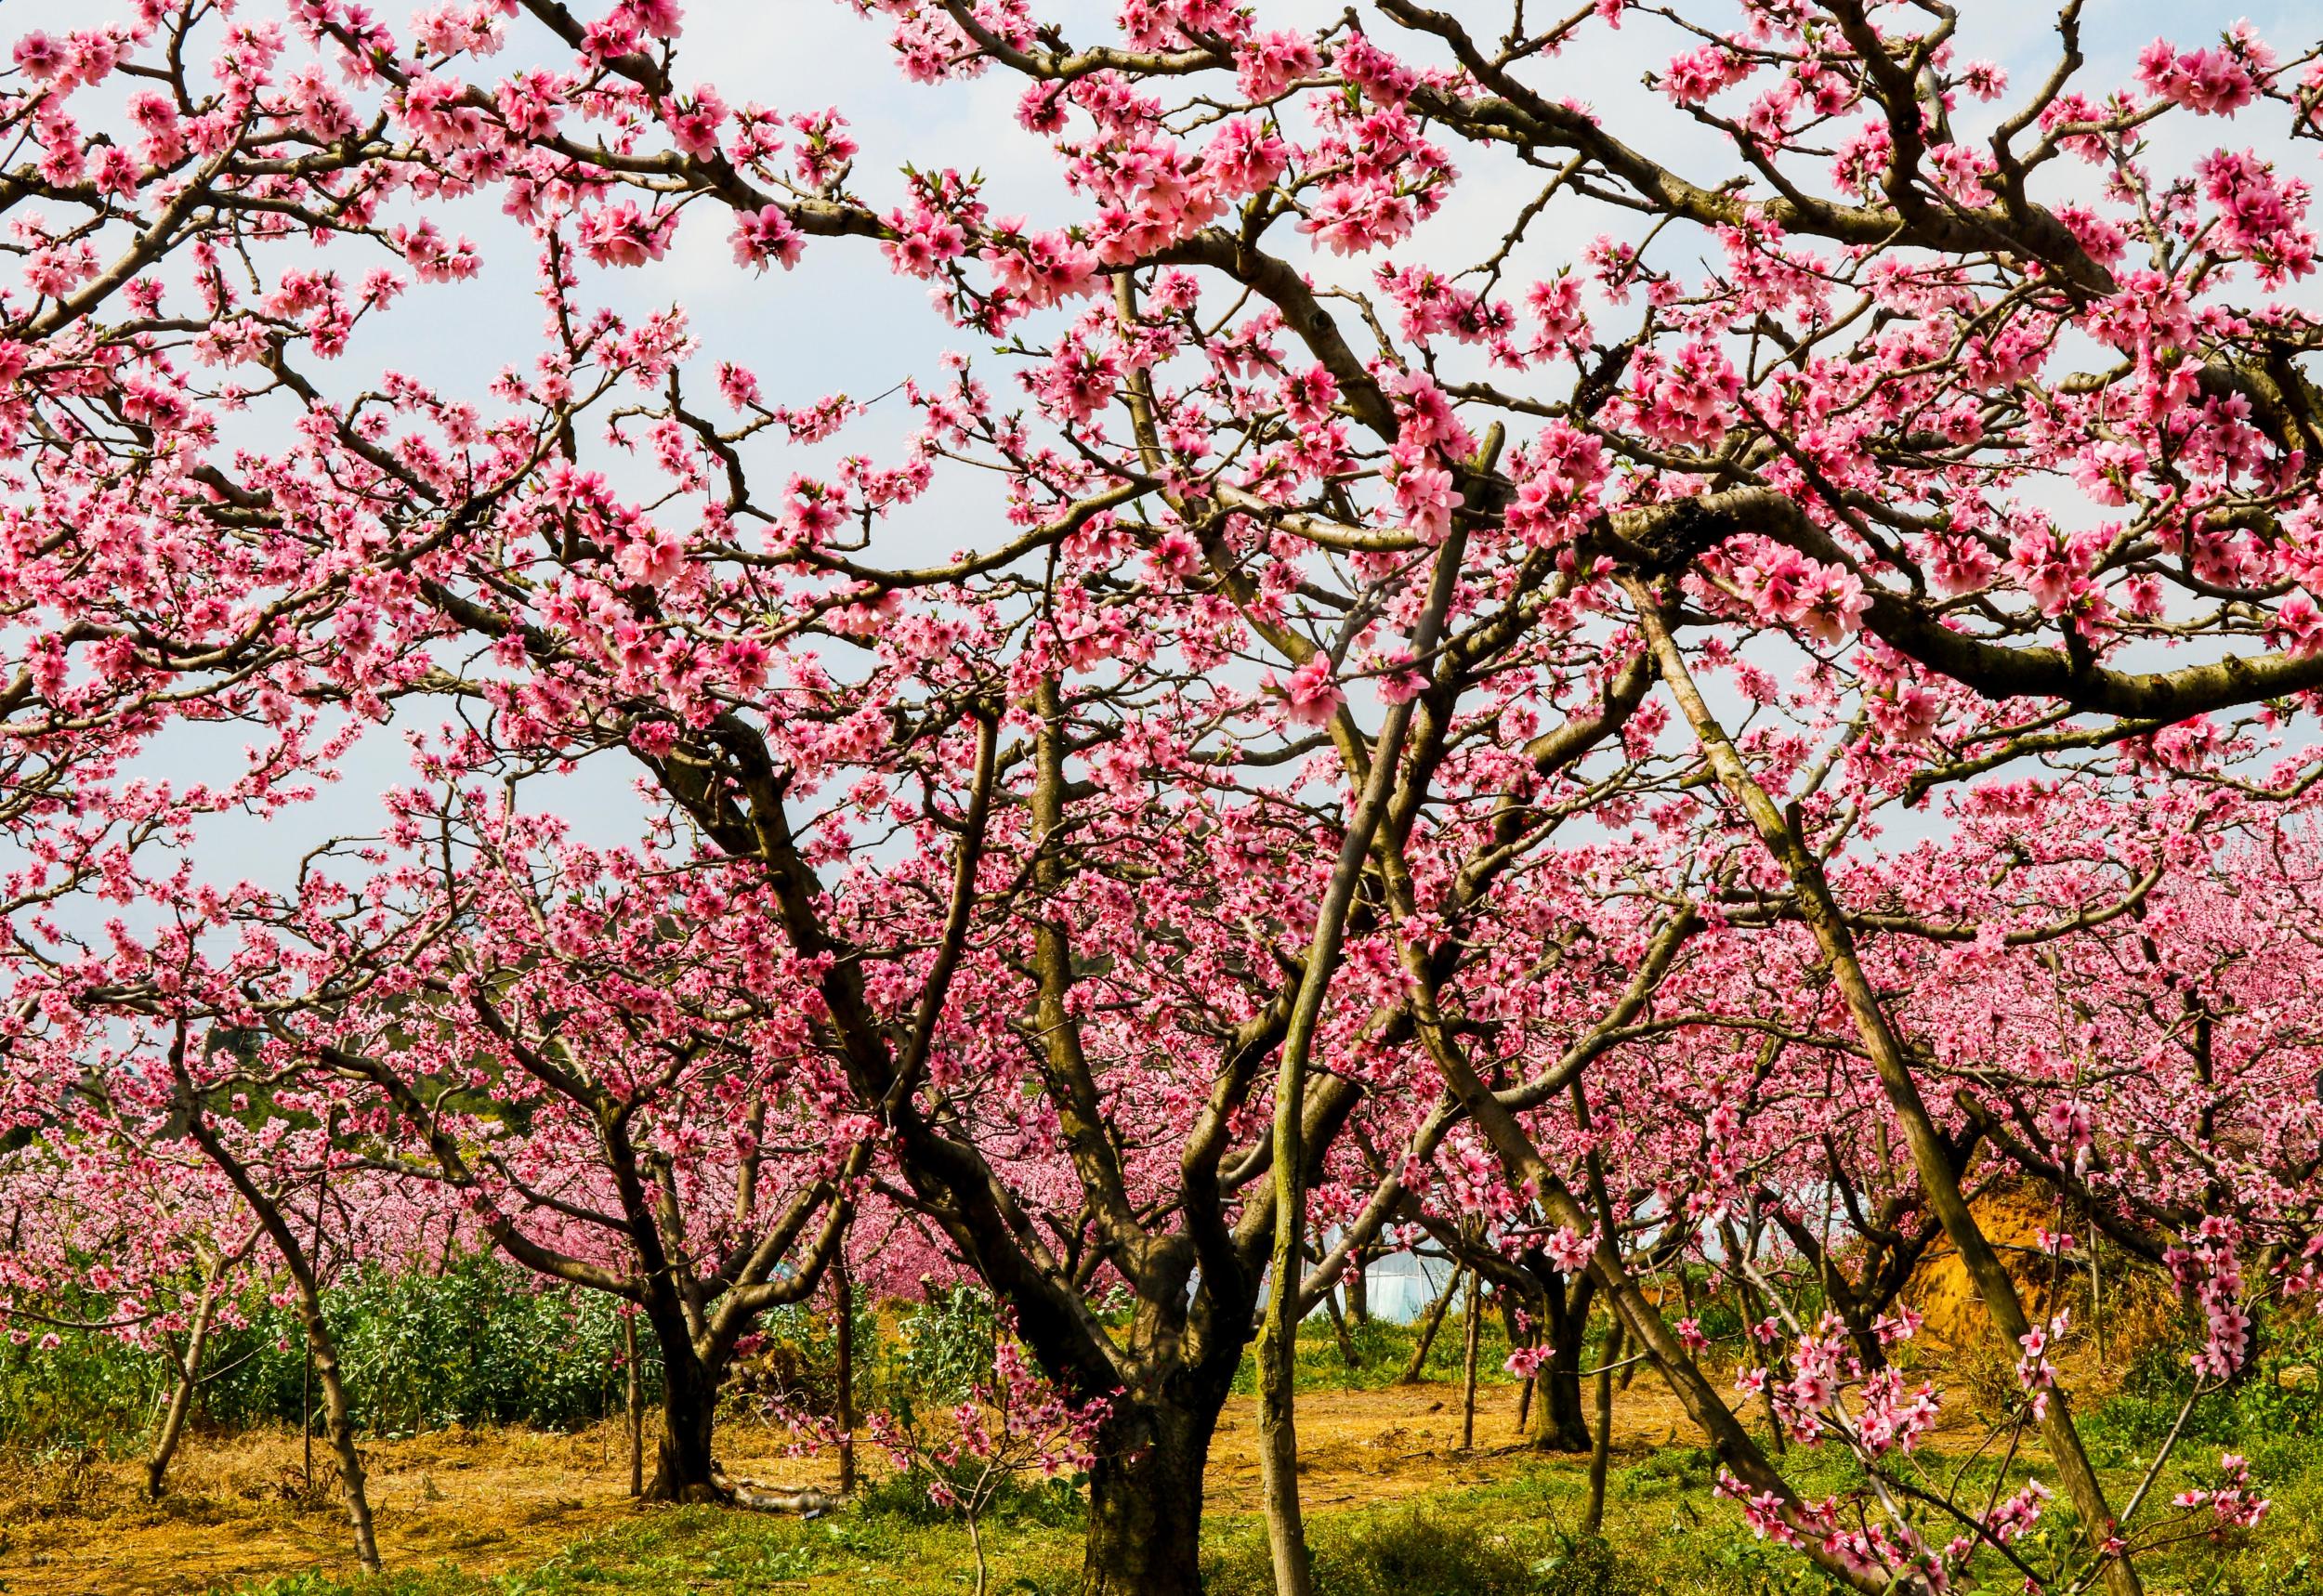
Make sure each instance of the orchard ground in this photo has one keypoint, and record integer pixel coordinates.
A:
(1395, 1504)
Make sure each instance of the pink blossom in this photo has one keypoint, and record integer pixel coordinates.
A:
(1311, 694)
(621, 235)
(2208, 83)
(766, 235)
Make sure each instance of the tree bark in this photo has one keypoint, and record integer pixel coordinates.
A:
(683, 1468)
(1347, 1354)
(1558, 1423)
(1145, 1502)
(1468, 1364)
(339, 1419)
(1601, 1450)
(306, 1419)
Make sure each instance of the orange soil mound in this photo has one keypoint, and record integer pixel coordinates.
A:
(1941, 1290)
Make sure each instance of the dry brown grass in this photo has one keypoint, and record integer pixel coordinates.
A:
(238, 1511)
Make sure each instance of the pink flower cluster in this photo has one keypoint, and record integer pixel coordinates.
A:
(2215, 82)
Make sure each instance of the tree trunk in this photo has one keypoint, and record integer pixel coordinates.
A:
(1278, 1421)
(339, 1419)
(1601, 1452)
(1347, 1354)
(683, 1470)
(189, 1374)
(1558, 1424)
(1278, 1342)
(1145, 1504)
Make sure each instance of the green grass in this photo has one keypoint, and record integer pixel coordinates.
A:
(685, 1549)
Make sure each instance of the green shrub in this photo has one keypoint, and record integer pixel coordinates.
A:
(942, 1350)
(482, 1342)
(1414, 1550)
(1586, 1566)
(80, 1396)
(904, 1495)
(1382, 1350)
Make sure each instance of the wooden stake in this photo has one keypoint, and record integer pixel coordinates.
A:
(842, 1294)
(1429, 1325)
(636, 1407)
(1468, 1369)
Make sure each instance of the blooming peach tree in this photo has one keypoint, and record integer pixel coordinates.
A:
(1446, 582)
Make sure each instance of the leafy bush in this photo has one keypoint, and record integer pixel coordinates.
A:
(1586, 1566)
(78, 1396)
(480, 1342)
(1417, 1551)
(944, 1348)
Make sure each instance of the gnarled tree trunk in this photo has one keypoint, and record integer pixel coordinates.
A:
(1558, 1423)
(684, 1470)
(1145, 1501)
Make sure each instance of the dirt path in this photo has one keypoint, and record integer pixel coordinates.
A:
(491, 1500)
